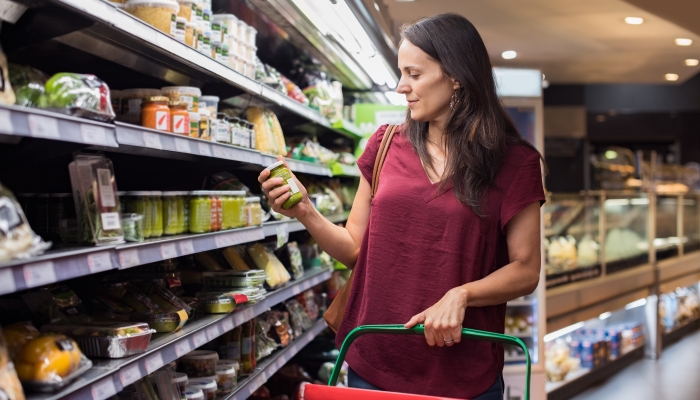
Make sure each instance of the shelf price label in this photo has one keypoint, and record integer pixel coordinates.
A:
(43, 127)
(227, 325)
(186, 247)
(204, 149)
(219, 152)
(6, 122)
(282, 235)
(182, 347)
(129, 375)
(99, 262)
(152, 140)
(38, 274)
(182, 145)
(7, 281)
(128, 259)
(199, 339)
(93, 134)
(224, 240)
(154, 362)
(213, 332)
(103, 389)
(168, 251)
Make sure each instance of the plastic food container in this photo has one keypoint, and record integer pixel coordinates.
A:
(188, 94)
(180, 27)
(155, 113)
(253, 211)
(180, 380)
(240, 30)
(167, 301)
(165, 322)
(206, 17)
(194, 124)
(193, 393)
(198, 363)
(216, 50)
(217, 30)
(221, 132)
(133, 227)
(207, 385)
(200, 212)
(190, 33)
(250, 70)
(131, 103)
(199, 36)
(138, 300)
(187, 9)
(179, 118)
(216, 305)
(161, 14)
(198, 16)
(278, 170)
(212, 104)
(156, 203)
(250, 34)
(106, 339)
(237, 279)
(227, 380)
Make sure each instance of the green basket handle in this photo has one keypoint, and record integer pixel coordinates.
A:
(471, 334)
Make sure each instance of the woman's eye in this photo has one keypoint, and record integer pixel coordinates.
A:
(413, 76)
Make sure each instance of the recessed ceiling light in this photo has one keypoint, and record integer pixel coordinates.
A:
(634, 20)
(691, 62)
(684, 42)
(509, 54)
(672, 77)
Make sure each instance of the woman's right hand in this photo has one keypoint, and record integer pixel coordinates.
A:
(277, 195)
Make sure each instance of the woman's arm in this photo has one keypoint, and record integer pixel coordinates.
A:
(343, 244)
(443, 321)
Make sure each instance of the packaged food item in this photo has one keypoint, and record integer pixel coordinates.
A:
(155, 113)
(188, 94)
(96, 201)
(161, 14)
(17, 240)
(221, 132)
(194, 393)
(199, 36)
(294, 91)
(264, 259)
(187, 9)
(80, 95)
(211, 103)
(227, 380)
(10, 386)
(156, 203)
(208, 262)
(206, 43)
(200, 212)
(190, 33)
(104, 339)
(254, 212)
(264, 345)
(217, 51)
(180, 380)
(28, 84)
(204, 124)
(207, 385)
(180, 28)
(183, 207)
(131, 100)
(172, 215)
(279, 170)
(216, 304)
(165, 322)
(16, 336)
(268, 131)
(227, 279)
(137, 300)
(133, 227)
(248, 361)
(233, 256)
(50, 362)
(139, 203)
(250, 34)
(216, 210)
(230, 348)
(225, 363)
(194, 125)
(198, 363)
(206, 17)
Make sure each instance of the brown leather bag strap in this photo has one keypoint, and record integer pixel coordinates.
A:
(381, 156)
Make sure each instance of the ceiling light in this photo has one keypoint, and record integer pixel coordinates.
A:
(671, 77)
(509, 55)
(634, 20)
(684, 42)
(691, 62)
(635, 304)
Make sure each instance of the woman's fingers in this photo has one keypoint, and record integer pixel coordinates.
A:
(263, 175)
(277, 192)
(272, 183)
(281, 199)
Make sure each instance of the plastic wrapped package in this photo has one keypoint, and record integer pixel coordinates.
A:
(234, 279)
(50, 362)
(296, 265)
(220, 304)
(28, 84)
(268, 131)
(16, 336)
(17, 240)
(79, 95)
(109, 340)
(299, 318)
(7, 95)
(266, 260)
(307, 300)
(96, 200)
(198, 363)
(133, 227)
(264, 345)
(166, 300)
(294, 91)
(208, 261)
(234, 257)
(10, 386)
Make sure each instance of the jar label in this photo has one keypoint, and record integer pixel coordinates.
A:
(187, 99)
(246, 346)
(104, 180)
(194, 129)
(162, 120)
(173, 24)
(179, 125)
(110, 221)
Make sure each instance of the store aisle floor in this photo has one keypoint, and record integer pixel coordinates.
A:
(673, 377)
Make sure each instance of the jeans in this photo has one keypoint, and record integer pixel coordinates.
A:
(495, 392)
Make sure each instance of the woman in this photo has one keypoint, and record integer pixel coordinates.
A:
(453, 232)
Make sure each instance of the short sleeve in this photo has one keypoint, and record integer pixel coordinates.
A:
(366, 160)
(525, 189)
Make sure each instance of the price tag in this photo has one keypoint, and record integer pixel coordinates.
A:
(225, 240)
(168, 251)
(7, 281)
(227, 325)
(182, 145)
(154, 362)
(43, 127)
(152, 140)
(111, 221)
(38, 274)
(249, 314)
(282, 235)
(103, 389)
(204, 149)
(213, 332)
(199, 339)
(99, 262)
(93, 134)
(129, 375)
(182, 347)
(239, 318)
(6, 122)
(186, 247)
(219, 152)
(128, 259)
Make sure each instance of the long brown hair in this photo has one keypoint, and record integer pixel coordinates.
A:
(478, 129)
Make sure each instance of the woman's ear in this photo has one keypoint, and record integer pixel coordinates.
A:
(455, 85)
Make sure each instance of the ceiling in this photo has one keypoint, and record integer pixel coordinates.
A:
(574, 41)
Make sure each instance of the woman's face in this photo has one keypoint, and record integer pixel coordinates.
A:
(428, 91)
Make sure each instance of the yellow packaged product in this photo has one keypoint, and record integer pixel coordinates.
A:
(48, 359)
(17, 335)
(10, 387)
(264, 139)
(208, 262)
(276, 129)
(161, 14)
(277, 275)
(234, 259)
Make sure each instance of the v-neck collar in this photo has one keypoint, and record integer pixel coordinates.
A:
(431, 190)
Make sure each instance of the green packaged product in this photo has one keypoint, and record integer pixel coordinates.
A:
(279, 170)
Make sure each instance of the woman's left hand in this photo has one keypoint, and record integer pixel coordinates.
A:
(443, 321)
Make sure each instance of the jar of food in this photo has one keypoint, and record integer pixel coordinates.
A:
(226, 379)
(193, 393)
(200, 212)
(235, 209)
(253, 211)
(199, 13)
(180, 27)
(172, 219)
(159, 13)
(188, 8)
(224, 54)
(250, 71)
(207, 385)
(206, 43)
(194, 124)
(230, 21)
(216, 304)
(115, 97)
(248, 136)
(155, 113)
(216, 50)
(133, 227)
(250, 34)
(179, 118)
(216, 30)
(230, 364)
(190, 33)
(180, 380)
(211, 103)
(204, 125)
(228, 206)
(199, 37)
(206, 17)
(188, 94)
(131, 100)
(279, 170)
(216, 210)
(198, 363)
(139, 203)
(251, 133)
(156, 214)
(240, 29)
(183, 209)
(220, 130)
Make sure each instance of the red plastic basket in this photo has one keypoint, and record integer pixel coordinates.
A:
(332, 392)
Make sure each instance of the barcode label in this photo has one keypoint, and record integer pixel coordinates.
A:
(111, 221)
(38, 274)
(99, 262)
(104, 178)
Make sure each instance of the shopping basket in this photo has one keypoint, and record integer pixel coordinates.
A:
(332, 392)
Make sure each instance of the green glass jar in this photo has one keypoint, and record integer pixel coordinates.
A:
(238, 208)
(228, 205)
(171, 215)
(140, 203)
(278, 170)
(183, 207)
(156, 214)
(200, 212)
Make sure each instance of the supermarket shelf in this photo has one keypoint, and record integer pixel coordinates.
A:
(582, 379)
(679, 332)
(35, 123)
(61, 265)
(347, 126)
(275, 227)
(679, 271)
(107, 377)
(273, 363)
(339, 169)
(298, 166)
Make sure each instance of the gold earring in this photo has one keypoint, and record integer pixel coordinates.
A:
(453, 100)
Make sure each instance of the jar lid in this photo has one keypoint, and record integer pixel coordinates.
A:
(172, 4)
(252, 199)
(206, 99)
(182, 89)
(235, 192)
(138, 193)
(186, 1)
(168, 194)
(202, 383)
(226, 369)
(191, 24)
(178, 104)
(156, 193)
(199, 193)
(156, 99)
(194, 116)
(179, 377)
(193, 393)
(181, 19)
(275, 165)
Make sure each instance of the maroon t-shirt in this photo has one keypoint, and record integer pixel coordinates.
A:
(418, 245)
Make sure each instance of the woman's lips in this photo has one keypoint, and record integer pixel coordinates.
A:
(412, 102)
